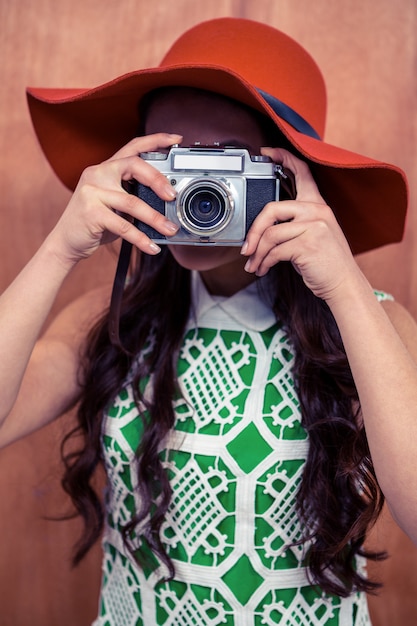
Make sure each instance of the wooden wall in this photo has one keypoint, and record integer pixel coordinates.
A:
(367, 51)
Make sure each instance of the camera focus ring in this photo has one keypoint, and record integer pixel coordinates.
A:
(205, 206)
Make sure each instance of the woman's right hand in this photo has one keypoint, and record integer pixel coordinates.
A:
(100, 208)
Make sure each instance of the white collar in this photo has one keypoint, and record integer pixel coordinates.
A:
(247, 307)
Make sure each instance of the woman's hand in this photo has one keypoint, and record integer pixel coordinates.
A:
(100, 209)
(303, 231)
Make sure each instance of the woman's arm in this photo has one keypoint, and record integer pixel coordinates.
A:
(380, 340)
(44, 374)
(381, 346)
(50, 384)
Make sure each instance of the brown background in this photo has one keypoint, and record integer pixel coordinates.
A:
(367, 51)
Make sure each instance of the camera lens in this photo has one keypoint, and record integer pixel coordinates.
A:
(204, 207)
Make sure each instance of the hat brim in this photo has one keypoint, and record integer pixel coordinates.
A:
(81, 127)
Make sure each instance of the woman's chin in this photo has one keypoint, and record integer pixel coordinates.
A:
(205, 258)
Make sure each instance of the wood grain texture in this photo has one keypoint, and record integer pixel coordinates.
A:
(367, 52)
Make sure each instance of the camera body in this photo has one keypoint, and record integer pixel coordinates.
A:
(220, 191)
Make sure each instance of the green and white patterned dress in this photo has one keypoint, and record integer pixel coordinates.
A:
(235, 460)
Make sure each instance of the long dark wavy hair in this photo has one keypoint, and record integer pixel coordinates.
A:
(339, 497)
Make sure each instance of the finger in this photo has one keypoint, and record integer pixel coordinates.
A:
(305, 184)
(284, 252)
(147, 143)
(117, 225)
(126, 164)
(128, 204)
(272, 213)
(273, 246)
(281, 212)
(148, 175)
(110, 174)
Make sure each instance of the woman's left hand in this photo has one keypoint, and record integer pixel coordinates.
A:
(381, 349)
(303, 231)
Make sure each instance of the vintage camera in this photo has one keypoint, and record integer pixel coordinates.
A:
(220, 191)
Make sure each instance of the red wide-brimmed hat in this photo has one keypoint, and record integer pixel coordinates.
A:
(256, 65)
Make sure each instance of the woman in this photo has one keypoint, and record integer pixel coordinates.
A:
(234, 415)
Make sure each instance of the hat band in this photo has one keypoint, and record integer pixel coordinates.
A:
(289, 115)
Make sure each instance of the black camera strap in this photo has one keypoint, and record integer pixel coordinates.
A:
(117, 292)
(288, 192)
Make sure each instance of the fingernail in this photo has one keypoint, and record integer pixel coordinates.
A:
(244, 248)
(154, 248)
(247, 266)
(170, 191)
(171, 227)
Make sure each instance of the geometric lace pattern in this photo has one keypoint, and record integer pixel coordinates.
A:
(234, 459)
